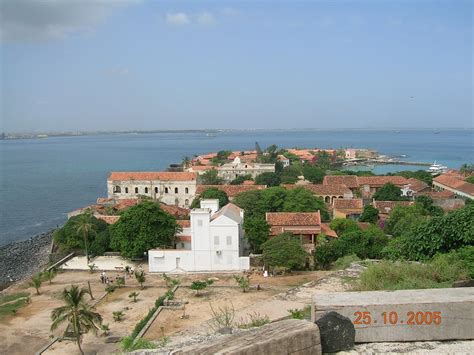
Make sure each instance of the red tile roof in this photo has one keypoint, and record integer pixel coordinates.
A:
(382, 180)
(455, 182)
(293, 218)
(417, 185)
(202, 167)
(125, 203)
(184, 238)
(230, 190)
(328, 231)
(348, 180)
(108, 219)
(147, 176)
(387, 206)
(348, 204)
(184, 223)
(175, 210)
(437, 194)
(323, 190)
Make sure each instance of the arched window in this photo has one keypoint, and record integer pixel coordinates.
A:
(156, 190)
(186, 202)
(166, 190)
(327, 199)
(117, 189)
(186, 190)
(146, 190)
(136, 190)
(126, 190)
(175, 190)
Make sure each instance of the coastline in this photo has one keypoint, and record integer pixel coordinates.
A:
(20, 260)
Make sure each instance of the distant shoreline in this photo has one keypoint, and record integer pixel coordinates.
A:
(44, 135)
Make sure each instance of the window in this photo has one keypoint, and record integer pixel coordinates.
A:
(166, 190)
(199, 222)
(126, 190)
(216, 240)
(156, 190)
(186, 202)
(136, 190)
(229, 240)
(186, 190)
(175, 190)
(146, 190)
(117, 189)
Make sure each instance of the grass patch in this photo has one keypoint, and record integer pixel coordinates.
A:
(8, 309)
(344, 262)
(438, 273)
(13, 296)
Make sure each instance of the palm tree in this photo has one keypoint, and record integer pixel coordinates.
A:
(36, 281)
(84, 226)
(140, 276)
(77, 313)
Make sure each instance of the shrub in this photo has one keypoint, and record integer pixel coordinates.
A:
(222, 317)
(254, 320)
(242, 281)
(200, 285)
(304, 313)
(284, 250)
(211, 193)
(129, 344)
(345, 261)
(118, 315)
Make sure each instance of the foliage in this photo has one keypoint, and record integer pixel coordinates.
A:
(210, 177)
(120, 281)
(470, 179)
(118, 315)
(389, 192)
(421, 175)
(71, 236)
(139, 326)
(403, 218)
(211, 193)
(323, 160)
(36, 281)
(110, 288)
(105, 329)
(313, 173)
(170, 282)
(284, 250)
(92, 267)
(221, 157)
(467, 169)
(250, 202)
(369, 214)
(222, 317)
(290, 174)
(268, 178)
(50, 275)
(343, 225)
(302, 200)
(440, 234)
(140, 277)
(129, 344)
(257, 231)
(345, 261)
(77, 313)
(10, 304)
(304, 313)
(243, 282)
(200, 285)
(143, 227)
(254, 320)
(239, 180)
(408, 275)
(134, 295)
(427, 203)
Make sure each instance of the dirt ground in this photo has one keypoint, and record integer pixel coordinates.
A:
(29, 329)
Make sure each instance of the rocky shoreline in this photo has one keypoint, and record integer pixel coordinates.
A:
(20, 260)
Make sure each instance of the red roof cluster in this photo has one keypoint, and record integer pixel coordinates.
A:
(386, 207)
(382, 180)
(455, 182)
(323, 190)
(148, 176)
(348, 204)
(348, 180)
(293, 218)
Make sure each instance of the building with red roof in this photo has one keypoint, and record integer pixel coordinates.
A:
(454, 183)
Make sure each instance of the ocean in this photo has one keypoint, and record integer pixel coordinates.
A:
(43, 179)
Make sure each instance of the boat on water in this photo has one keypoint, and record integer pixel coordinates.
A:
(436, 169)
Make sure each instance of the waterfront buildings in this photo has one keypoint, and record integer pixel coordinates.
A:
(454, 182)
(236, 168)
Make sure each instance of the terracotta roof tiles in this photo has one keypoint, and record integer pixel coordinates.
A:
(294, 218)
(147, 176)
(348, 204)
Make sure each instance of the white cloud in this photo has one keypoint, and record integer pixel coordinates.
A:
(27, 20)
(206, 18)
(179, 18)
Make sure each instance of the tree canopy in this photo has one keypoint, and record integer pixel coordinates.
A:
(268, 178)
(143, 227)
(211, 193)
(284, 250)
(257, 231)
(369, 214)
(389, 192)
(239, 180)
(313, 173)
(210, 178)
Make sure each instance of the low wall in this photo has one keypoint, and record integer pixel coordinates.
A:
(406, 315)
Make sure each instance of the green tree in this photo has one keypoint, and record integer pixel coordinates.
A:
(427, 203)
(269, 179)
(421, 175)
(257, 231)
(143, 227)
(239, 180)
(313, 173)
(140, 277)
(211, 193)
(243, 281)
(323, 160)
(221, 157)
(302, 200)
(402, 218)
(36, 281)
(210, 178)
(84, 226)
(290, 174)
(284, 250)
(369, 214)
(200, 285)
(79, 316)
(50, 275)
(470, 179)
(389, 192)
(250, 202)
(467, 169)
(342, 226)
(134, 296)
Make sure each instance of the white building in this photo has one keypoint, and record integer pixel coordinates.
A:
(172, 188)
(230, 171)
(213, 241)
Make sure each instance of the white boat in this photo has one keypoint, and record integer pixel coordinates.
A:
(436, 169)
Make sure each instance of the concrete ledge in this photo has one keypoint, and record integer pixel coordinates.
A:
(406, 315)
(289, 336)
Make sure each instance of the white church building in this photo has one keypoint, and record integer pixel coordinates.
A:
(212, 241)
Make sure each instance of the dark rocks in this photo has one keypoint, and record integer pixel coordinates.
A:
(224, 330)
(20, 260)
(337, 332)
(112, 340)
(464, 283)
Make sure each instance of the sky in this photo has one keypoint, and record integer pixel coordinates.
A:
(137, 65)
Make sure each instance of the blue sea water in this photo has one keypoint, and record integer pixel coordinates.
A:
(43, 179)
